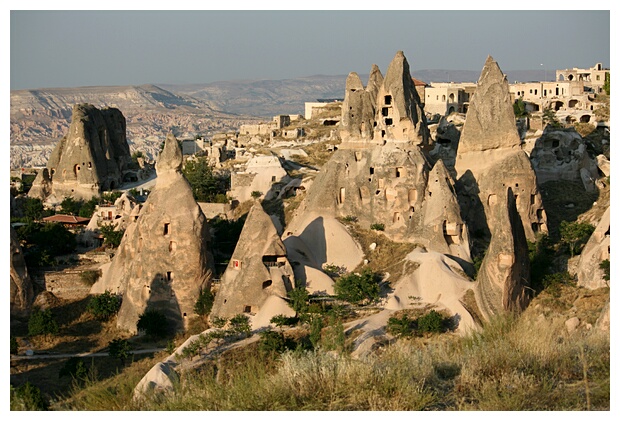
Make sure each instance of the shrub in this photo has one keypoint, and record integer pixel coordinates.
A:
(604, 265)
(204, 303)
(281, 320)
(75, 368)
(119, 348)
(575, 235)
(219, 322)
(350, 218)
(431, 322)
(256, 194)
(205, 183)
(357, 288)
(154, 323)
(42, 322)
(14, 345)
(400, 326)
(333, 270)
(240, 324)
(271, 343)
(316, 326)
(111, 236)
(298, 299)
(27, 398)
(553, 282)
(89, 277)
(104, 306)
(377, 227)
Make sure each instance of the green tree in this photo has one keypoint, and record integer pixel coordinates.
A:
(14, 345)
(606, 87)
(298, 299)
(70, 206)
(103, 306)
(45, 241)
(33, 209)
(204, 303)
(240, 324)
(88, 208)
(575, 235)
(400, 326)
(206, 186)
(432, 322)
(604, 265)
(75, 368)
(119, 348)
(154, 323)
(519, 108)
(316, 327)
(42, 322)
(550, 118)
(111, 236)
(357, 288)
(271, 343)
(27, 397)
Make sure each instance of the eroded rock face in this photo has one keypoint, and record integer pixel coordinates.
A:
(504, 274)
(388, 109)
(164, 259)
(589, 273)
(562, 155)
(490, 122)
(490, 159)
(89, 159)
(258, 270)
(22, 293)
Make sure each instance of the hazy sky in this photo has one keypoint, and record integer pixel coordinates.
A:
(81, 48)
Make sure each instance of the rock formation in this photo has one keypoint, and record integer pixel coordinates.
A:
(562, 155)
(89, 159)
(490, 159)
(504, 274)
(164, 258)
(258, 270)
(388, 109)
(21, 285)
(589, 273)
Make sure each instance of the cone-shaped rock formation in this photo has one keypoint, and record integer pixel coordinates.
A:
(89, 159)
(258, 269)
(164, 258)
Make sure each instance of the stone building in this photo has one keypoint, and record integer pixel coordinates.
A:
(593, 78)
(260, 174)
(448, 98)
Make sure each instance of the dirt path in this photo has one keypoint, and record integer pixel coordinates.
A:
(82, 354)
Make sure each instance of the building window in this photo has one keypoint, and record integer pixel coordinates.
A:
(388, 99)
(384, 111)
(247, 309)
(388, 121)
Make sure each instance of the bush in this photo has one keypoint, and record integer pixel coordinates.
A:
(204, 303)
(89, 277)
(271, 343)
(350, 218)
(104, 306)
(154, 323)
(75, 368)
(281, 320)
(357, 288)
(219, 322)
(400, 327)
(377, 227)
(256, 194)
(431, 322)
(111, 236)
(575, 235)
(604, 265)
(205, 184)
(298, 299)
(119, 348)
(14, 345)
(27, 398)
(240, 324)
(42, 322)
(553, 282)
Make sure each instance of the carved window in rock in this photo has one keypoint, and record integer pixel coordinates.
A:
(274, 261)
(388, 121)
(236, 264)
(76, 169)
(412, 196)
(358, 156)
(341, 195)
(267, 283)
(169, 276)
(388, 99)
(166, 228)
(247, 309)
(396, 217)
(385, 111)
(399, 172)
(492, 200)
(372, 170)
(172, 246)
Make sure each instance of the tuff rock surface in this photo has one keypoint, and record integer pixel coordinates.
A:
(164, 259)
(89, 159)
(258, 270)
(21, 291)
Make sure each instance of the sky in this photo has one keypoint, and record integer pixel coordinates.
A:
(69, 48)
